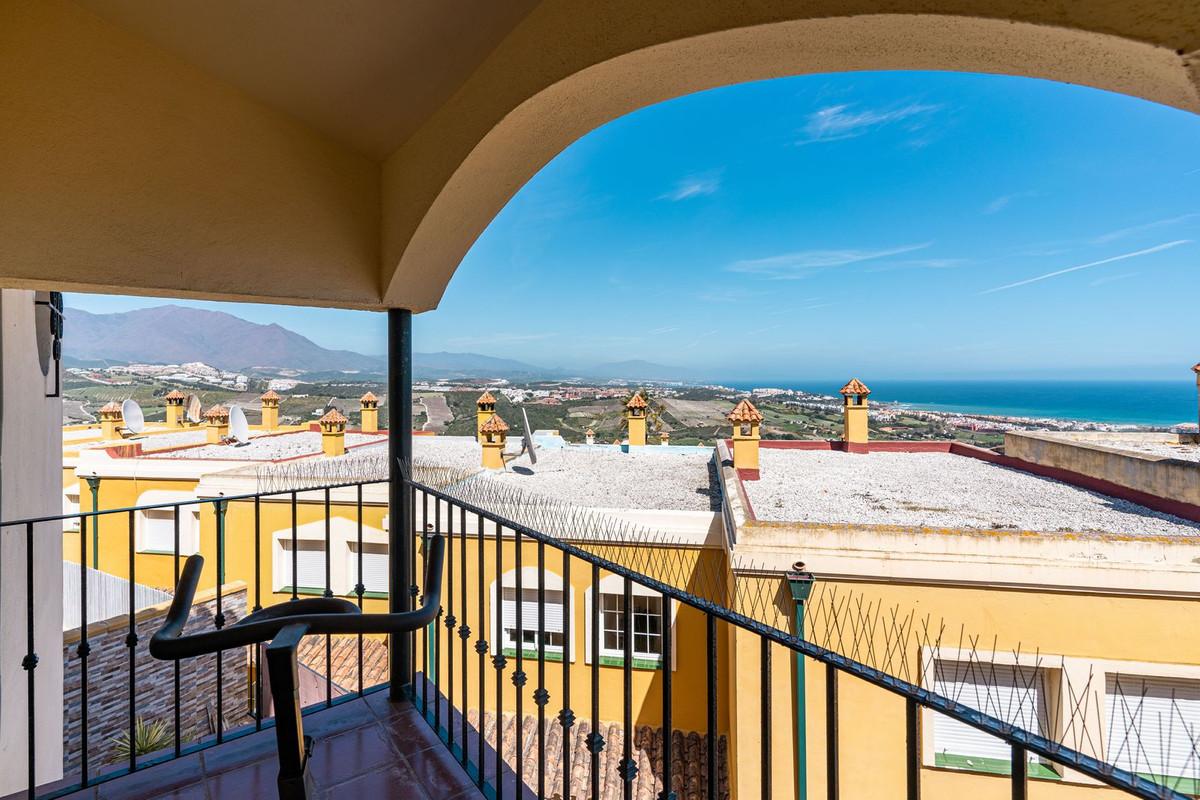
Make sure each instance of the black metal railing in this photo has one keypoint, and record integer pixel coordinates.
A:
(497, 763)
(452, 689)
(91, 762)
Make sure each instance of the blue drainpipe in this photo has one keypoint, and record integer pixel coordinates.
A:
(800, 582)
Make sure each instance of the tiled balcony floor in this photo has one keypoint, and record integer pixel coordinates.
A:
(366, 748)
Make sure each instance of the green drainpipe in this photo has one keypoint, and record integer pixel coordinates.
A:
(93, 483)
(800, 582)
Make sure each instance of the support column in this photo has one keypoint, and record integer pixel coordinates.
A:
(400, 521)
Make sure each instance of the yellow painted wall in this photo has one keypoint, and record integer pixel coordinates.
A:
(871, 720)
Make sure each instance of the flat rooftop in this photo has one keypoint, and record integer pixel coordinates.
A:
(1146, 447)
(650, 477)
(939, 490)
(273, 447)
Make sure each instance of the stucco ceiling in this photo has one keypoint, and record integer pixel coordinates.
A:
(364, 72)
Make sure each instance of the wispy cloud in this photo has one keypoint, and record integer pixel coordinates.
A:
(1112, 278)
(692, 186)
(1121, 233)
(1156, 249)
(501, 338)
(801, 264)
(699, 339)
(1002, 202)
(918, 263)
(662, 330)
(843, 121)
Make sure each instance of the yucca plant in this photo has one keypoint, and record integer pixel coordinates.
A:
(148, 737)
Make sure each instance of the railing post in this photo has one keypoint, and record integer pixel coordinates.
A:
(399, 499)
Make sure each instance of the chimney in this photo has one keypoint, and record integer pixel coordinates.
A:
(854, 410)
(590, 436)
(175, 400)
(635, 419)
(494, 433)
(333, 433)
(369, 422)
(485, 407)
(217, 419)
(111, 420)
(664, 437)
(270, 410)
(1196, 369)
(746, 420)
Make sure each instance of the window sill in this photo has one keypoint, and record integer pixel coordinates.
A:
(638, 663)
(182, 554)
(302, 590)
(1189, 786)
(532, 654)
(990, 766)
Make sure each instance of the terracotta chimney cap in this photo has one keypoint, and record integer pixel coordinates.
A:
(486, 397)
(111, 407)
(637, 401)
(369, 397)
(175, 394)
(745, 411)
(269, 394)
(494, 425)
(1196, 369)
(333, 417)
(855, 386)
(590, 432)
(217, 412)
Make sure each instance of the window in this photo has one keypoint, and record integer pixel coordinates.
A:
(647, 627)
(310, 565)
(374, 567)
(71, 506)
(1013, 694)
(156, 531)
(1153, 726)
(551, 637)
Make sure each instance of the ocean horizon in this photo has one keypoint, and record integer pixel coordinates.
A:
(1132, 402)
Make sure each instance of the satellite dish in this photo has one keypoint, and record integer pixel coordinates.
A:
(135, 420)
(193, 409)
(238, 428)
(529, 438)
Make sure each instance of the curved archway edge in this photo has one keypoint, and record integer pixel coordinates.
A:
(444, 186)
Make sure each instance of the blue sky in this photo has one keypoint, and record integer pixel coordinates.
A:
(888, 224)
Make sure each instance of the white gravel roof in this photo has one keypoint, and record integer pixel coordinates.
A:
(938, 490)
(609, 478)
(269, 448)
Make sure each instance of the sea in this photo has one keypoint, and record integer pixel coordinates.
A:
(1152, 403)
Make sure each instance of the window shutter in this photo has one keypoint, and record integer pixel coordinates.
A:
(1153, 725)
(529, 610)
(158, 531)
(310, 565)
(1012, 694)
(374, 564)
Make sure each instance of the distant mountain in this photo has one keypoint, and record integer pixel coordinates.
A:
(173, 334)
(452, 366)
(640, 370)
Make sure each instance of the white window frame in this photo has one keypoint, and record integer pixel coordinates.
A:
(372, 551)
(500, 638)
(189, 523)
(957, 667)
(1159, 722)
(284, 578)
(614, 585)
(71, 506)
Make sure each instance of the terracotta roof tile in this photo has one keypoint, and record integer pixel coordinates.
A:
(175, 394)
(369, 397)
(637, 401)
(689, 767)
(1196, 368)
(486, 397)
(745, 411)
(217, 412)
(855, 386)
(111, 407)
(334, 417)
(344, 657)
(494, 424)
(269, 394)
